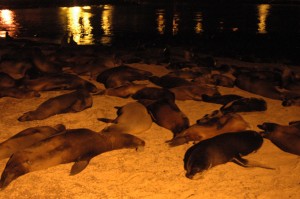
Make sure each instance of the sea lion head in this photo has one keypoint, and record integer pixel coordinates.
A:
(195, 166)
(267, 128)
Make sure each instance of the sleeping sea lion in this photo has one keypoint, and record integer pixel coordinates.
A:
(244, 105)
(168, 81)
(123, 91)
(291, 102)
(58, 81)
(120, 75)
(167, 114)
(258, 86)
(220, 150)
(28, 137)
(132, 118)
(220, 99)
(287, 138)
(231, 122)
(75, 145)
(154, 93)
(75, 101)
(193, 92)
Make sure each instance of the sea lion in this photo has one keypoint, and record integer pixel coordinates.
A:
(75, 101)
(193, 92)
(58, 81)
(168, 81)
(132, 118)
(28, 137)
(123, 91)
(220, 150)
(231, 122)
(120, 75)
(19, 93)
(167, 114)
(220, 99)
(245, 105)
(287, 138)
(154, 93)
(75, 145)
(258, 86)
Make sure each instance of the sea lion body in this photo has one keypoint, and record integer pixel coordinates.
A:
(220, 150)
(58, 82)
(258, 86)
(193, 92)
(168, 81)
(118, 76)
(124, 91)
(26, 138)
(75, 101)
(132, 118)
(76, 145)
(220, 99)
(287, 138)
(154, 93)
(231, 122)
(244, 105)
(167, 114)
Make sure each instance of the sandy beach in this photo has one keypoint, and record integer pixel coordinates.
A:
(157, 171)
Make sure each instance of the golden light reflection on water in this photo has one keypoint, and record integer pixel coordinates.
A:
(7, 20)
(176, 19)
(79, 25)
(106, 24)
(263, 12)
(198, 19)
(161, 21)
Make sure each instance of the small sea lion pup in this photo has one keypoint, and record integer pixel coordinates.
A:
(287, 138)
(228, 147)
(209, 127)
(75, 145)
(75, 101)
(28, 137)
(245, 105)
(132, 118)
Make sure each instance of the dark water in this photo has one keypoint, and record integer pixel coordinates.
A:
(232, 28)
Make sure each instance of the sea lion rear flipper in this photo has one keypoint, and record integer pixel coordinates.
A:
(247, 163)
(79, 166)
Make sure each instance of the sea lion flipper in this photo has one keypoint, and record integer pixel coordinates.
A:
(247, 163)
(79, 166)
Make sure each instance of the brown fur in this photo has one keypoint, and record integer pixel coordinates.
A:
(67, 103)
(76, 145)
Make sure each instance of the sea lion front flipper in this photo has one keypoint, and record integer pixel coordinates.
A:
(79, 166)
(247, 163)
